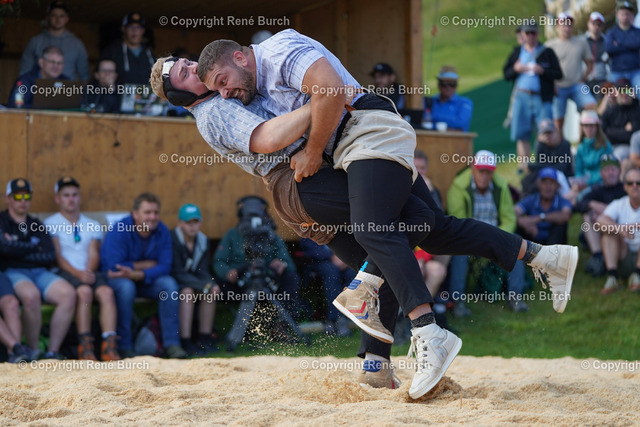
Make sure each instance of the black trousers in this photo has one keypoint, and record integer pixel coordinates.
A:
(325, 197)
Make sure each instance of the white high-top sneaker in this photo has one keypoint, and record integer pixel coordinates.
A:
(557, 263)
(434, 349)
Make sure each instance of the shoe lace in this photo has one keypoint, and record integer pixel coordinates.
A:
(375, 301)
(394, 377)
(539, 274)
(418, 350)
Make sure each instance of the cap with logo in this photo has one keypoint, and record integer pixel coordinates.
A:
(485, 159)
(133, 18)
(596, 16)
(545, 126)
(626, 5)
(188, 212)
(18, 185)
(65, 181)
(608, 159)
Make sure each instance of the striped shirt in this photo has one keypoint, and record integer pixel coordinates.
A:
(484, 207)
(227, 126)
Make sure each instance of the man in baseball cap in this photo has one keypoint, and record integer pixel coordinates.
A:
(384, 79)
(595, 41)
(621, 45)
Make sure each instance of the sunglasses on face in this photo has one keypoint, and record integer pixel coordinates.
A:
(632, 183)
(21, 196)
(448, 84)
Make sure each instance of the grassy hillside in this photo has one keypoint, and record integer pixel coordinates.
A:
(478, 53)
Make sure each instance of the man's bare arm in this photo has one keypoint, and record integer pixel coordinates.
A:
(280, 132)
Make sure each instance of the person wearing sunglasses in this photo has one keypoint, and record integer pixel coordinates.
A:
(76, 239)
(620, 228)
(449, 107)
(50, 64)
(27, 254)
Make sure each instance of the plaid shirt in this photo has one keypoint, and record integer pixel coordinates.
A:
(281, 64)
(484, 207)
(227, 126)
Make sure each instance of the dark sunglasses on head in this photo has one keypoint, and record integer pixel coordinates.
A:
(19, 196)
(447, 84)
(630, 183)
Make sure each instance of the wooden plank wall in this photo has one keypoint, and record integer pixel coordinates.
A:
(115, 158)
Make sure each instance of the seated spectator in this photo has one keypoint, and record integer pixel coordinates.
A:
(51, 63)
(136, 255)
(27, 253)
(595, 41)
(449, 107)
(622, 120)
(421, 162)
(620, 238)
(10, 327)
(543, 217)
(76, 239)
(133, 58)
(101, 94)
(238, 254)
(533, 68)
(192, 270)
(592, 205)
(593, 145)
(480, 194)
(572, 52)
(335, 277)
(384, 78)
(552, 150)
(608, 100)
(622, 42)
(76, 61)
(634, 149)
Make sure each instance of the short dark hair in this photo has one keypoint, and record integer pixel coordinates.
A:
(218, 51)
(145, 197)
(51, 49)
(419, 154)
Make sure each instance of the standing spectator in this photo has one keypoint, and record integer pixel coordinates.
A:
(10, 327)
(621, 241)
(384, 79)
(592, 205)
(593, 145)
(534, 68)
(335, 276)
(595, 41)
(192, 270)
(622, 43)
(27, 253)
(76, 239)
(137, 257)
(480, 194)
(51, 63)
(572, 53)
(133, 58)
(622, 120)
(448, 106)
(543, 217)
(76, 62)
(101, 94)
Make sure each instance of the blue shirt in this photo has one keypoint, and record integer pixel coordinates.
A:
(531, 206)
(123, 245)
(27, 80)
(622, 47)
(529, 80)
(456, 111)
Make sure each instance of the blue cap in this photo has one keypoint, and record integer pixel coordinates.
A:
(548, 173)
(188, 212)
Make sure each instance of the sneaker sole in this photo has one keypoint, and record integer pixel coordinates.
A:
(573, 262)
(374, 333)
(452, 355)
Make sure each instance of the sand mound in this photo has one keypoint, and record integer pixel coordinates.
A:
(268, 390)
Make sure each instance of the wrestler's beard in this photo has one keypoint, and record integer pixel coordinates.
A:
(249, 90)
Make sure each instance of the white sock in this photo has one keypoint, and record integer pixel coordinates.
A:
(369, 279)
(371, 356)
(107, 334)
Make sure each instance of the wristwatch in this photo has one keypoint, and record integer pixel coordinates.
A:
(543, 216)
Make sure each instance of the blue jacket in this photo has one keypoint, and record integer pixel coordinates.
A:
(456, 112)
(28, 80)
(623, 53)
(122, 245)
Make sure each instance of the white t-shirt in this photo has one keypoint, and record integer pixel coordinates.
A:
(620, 211)
(74, 249)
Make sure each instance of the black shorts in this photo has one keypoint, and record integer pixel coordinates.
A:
(101, 279)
